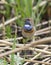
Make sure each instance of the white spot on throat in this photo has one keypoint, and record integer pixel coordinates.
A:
(27, 25)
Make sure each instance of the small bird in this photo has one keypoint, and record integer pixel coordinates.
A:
(28, 29)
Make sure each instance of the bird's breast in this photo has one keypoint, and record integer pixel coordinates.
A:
(28, 34)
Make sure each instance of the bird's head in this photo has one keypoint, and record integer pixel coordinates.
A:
(27, 25)
(27, 21)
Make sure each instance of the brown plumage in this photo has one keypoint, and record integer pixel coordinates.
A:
(28, 32)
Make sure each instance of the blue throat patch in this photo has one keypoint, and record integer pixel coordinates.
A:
(28, 27)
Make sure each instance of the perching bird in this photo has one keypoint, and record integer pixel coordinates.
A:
(28, 29)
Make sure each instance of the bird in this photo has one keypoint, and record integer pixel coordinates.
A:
(28, 29)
